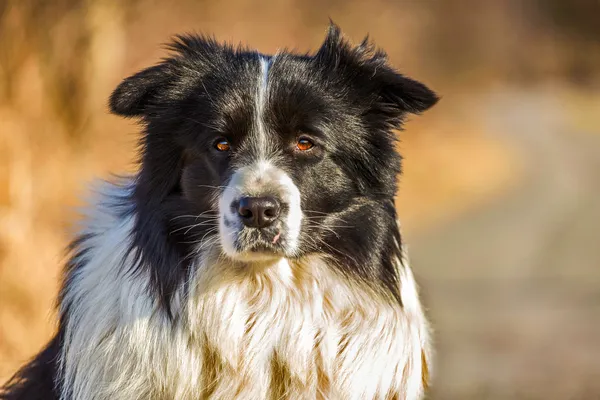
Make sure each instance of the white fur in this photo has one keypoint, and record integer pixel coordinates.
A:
(331, 337)
(256, 180)
(262, 144)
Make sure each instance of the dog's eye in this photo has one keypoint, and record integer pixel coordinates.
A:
(304, 144)
(222, 145)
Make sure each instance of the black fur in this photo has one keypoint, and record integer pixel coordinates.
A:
(36, 380)
(347, 99)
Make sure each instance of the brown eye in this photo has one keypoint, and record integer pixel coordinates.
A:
(222, 145)
(304, 144)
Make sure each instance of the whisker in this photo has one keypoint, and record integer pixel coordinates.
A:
(315, 212)
(319, 214)
(313, 225)
(214, 214)
(337, 251)
(200, 224)
(211, 241)
(190, 227)
(203, 242)
(209, 232)
(213, 187)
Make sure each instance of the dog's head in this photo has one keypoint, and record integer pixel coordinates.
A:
(268, 156)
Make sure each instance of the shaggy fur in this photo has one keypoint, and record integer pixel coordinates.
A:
(170, 291)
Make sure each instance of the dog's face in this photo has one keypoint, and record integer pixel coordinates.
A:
(269, 156)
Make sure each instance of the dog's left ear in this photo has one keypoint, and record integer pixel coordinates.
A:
(367, 68)
(402, 93)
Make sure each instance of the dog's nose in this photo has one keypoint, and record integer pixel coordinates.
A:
(258, 212)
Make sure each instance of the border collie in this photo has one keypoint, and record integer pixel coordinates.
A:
(256, 254)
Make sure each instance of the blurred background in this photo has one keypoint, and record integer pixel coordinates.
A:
(499, 199)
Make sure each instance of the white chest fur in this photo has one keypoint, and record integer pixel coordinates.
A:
(287, 331)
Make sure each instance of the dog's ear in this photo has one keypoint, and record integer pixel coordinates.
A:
(168, 80)
(368, 69)
(133, 96)
(404, 94)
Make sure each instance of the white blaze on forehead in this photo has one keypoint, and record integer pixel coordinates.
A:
(261, 100)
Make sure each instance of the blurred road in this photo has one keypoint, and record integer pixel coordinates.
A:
(513, 287)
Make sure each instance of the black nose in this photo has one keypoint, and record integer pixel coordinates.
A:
(258, 212)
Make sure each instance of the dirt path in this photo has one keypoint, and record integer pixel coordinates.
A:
(514, 287)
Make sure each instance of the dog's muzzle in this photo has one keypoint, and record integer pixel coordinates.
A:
(259, 214)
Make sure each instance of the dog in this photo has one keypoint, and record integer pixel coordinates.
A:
(256, 254)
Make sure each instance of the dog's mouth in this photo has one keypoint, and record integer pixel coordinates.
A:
(266, 242)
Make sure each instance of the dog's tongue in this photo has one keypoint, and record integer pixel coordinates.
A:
(276, 238)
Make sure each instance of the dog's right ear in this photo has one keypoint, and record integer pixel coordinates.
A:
(133, 96)
(139, 94)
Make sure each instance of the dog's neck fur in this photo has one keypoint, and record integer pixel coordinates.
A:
(293, 330)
